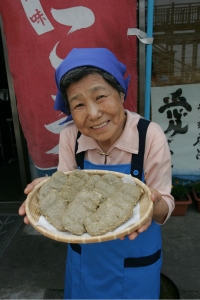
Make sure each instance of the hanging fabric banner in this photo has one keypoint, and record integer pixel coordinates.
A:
(39, 35)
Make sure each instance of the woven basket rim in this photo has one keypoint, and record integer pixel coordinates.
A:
(84, 239)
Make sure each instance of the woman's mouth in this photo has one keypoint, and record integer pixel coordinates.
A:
(100, 125)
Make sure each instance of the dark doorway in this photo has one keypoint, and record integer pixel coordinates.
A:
(13, 162)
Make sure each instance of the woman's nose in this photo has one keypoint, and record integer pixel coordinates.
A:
(93, 111)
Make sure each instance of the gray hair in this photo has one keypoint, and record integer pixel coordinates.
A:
(78, 73)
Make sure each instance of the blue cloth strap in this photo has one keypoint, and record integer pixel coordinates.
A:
(138, 159)
(79, 156)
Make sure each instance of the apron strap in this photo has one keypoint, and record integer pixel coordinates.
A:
(138, 159)
(79, 156)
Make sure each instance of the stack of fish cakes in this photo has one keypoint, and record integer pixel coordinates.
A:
(81, 203)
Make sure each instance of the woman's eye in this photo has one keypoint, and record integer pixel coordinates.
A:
(100, 96)
(78, 105)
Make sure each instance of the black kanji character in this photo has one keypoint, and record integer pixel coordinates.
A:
(198, 140)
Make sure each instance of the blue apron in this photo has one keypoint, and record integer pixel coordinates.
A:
(116, 269)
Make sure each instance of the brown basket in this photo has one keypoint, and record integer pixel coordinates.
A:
(33, 214)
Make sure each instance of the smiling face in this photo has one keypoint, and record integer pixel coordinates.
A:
(97, 109)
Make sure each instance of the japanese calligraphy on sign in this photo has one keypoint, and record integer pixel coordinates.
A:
(177, 110)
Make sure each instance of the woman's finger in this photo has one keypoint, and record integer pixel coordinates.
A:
(22, 209)
(145, 226)
(22, 212)
(31, 185)
(155, 196)
(26, 220)
(131, 236)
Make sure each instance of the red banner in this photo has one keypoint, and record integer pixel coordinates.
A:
(39, 34)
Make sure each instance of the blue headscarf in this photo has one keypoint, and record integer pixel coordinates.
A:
(101, 58)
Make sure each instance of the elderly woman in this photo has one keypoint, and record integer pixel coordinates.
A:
(102, 135)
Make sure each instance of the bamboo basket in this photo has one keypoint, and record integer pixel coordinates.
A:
(33, 214)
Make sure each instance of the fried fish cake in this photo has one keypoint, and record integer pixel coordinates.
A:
(80, 174)
(114, 211)
(56, 182)
(110, 214)
(108, 186)
(44, 191)
(80, 202)
(52, 207)
(81, 207)
(112, 179)
(59, 176)
(91, 182)
(130, 192)
(73, 186)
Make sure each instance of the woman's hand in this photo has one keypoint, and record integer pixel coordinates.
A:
(144, 227)
(28, 189)
(160, 210)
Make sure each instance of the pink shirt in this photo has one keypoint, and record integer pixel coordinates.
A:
(157, 158)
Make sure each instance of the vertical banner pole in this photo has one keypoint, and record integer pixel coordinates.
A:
(150, 8)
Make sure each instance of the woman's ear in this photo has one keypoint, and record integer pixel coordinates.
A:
(122, 96)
